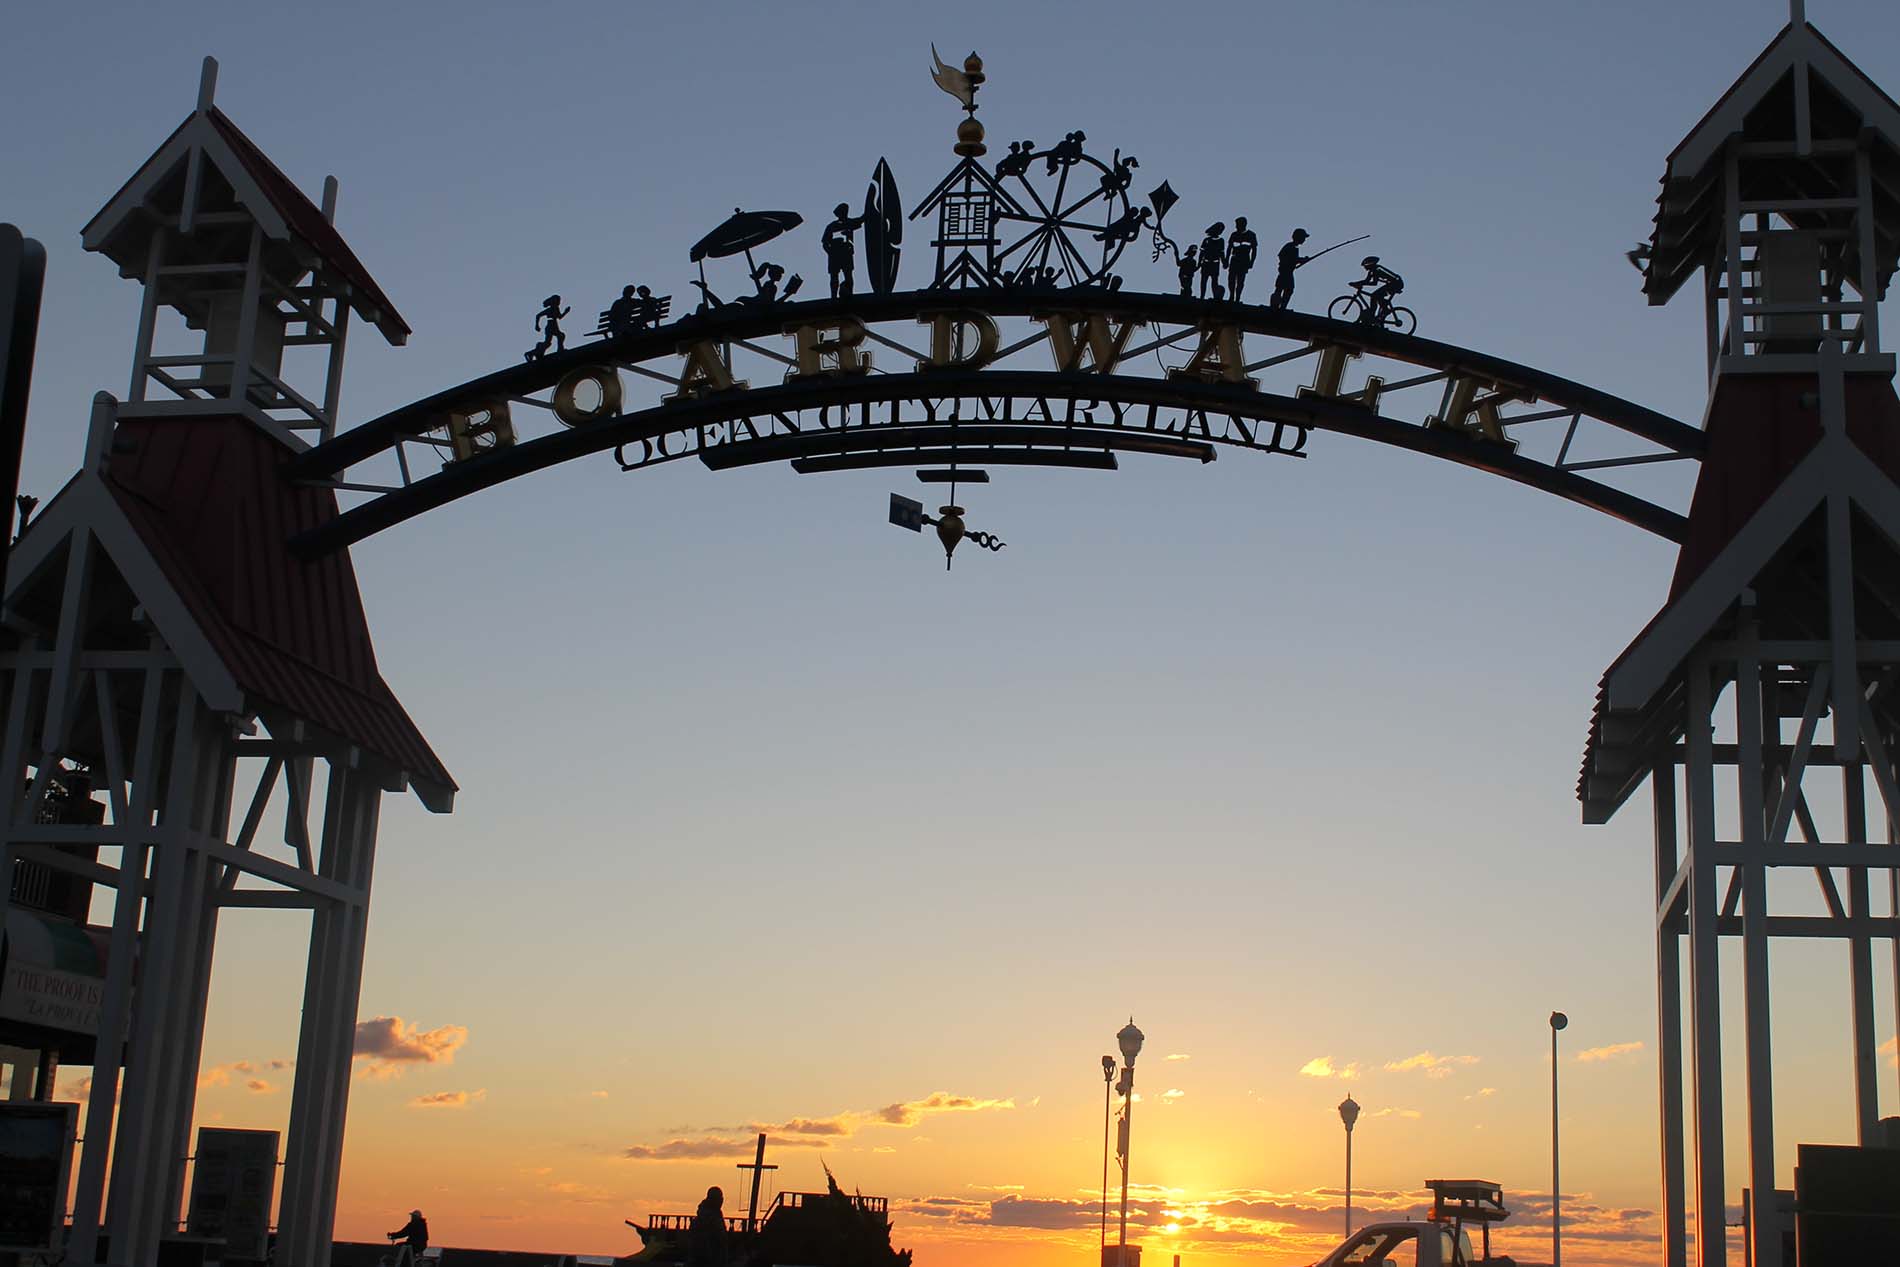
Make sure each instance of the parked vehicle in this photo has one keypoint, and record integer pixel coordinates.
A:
(1438, 1241)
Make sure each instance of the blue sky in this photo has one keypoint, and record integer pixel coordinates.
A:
(1265, 752)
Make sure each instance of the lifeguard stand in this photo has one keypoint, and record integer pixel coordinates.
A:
(221, 238)
(1762, 702)
(161, 645)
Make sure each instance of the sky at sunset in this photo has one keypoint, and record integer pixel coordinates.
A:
(767, 823)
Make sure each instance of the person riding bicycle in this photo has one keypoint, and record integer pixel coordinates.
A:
(414, 1236)
(1386, 284)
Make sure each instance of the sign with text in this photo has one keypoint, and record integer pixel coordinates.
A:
(231, 1185)
(59, 1000)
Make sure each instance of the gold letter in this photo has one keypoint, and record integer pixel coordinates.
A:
(705, 371)
(1330, 375)
(1219, 359)
(1474, 415)
(480, 426)
(1104, 343)
(946, 339)
(605, 379)
(822, 356)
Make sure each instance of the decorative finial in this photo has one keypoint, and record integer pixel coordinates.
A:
(1797, 12)
(207, 84)
(962, 84)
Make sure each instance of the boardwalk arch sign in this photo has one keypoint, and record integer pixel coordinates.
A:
(196, 722)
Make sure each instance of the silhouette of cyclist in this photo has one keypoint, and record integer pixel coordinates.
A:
(1384, 283)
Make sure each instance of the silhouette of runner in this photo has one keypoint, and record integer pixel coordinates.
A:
(548, 322)
(1213, 255)
(1243, 248)
(1290, 259)
(839, 254)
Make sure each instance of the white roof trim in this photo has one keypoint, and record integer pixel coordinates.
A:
(1797, 43)
(89, 503)
(196, 133)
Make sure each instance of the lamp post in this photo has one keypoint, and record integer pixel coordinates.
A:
(1557, 1021)
(1108, 1092)
(1349, 1113)
(1128, 1038)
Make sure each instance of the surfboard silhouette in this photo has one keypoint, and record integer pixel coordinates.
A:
(883, 229)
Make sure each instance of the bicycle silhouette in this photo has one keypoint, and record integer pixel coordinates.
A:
(1360, 310)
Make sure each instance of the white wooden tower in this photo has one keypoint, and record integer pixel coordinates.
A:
(162, 646)
(1762, 703)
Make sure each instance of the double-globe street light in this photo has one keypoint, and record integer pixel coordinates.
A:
(1129, 1040)
(1349, 1113)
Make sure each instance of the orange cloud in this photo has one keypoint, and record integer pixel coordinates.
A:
(704, 1148)
(1171, 1095)
(1407, 1113)
(259, 1087)
(808, 1132)
(1610, 1052)
(388, 1044)
(1432, 1066)
(1323, 1067)
(448, 1099)
(1179, 1055)
(911, 1112)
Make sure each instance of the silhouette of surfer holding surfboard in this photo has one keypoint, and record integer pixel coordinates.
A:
(840, 255)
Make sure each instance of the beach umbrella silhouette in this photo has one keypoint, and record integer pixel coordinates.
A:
(739, 233)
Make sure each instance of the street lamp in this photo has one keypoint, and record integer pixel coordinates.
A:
(1557, 1021)
(1128, 1038)
(1108, 1079)
(1349, 1113)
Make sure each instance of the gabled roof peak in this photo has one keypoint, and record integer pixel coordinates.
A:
(123, 227)
(1798, 44)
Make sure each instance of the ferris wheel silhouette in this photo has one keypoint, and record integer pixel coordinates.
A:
(1072, 217)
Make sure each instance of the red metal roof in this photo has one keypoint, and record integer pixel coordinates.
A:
(308, 223)
(208, 498)
(1760, 426)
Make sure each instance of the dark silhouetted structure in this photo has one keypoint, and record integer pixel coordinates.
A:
(548, 323)
(1290, 261)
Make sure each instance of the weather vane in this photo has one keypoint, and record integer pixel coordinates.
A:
(908, 512)
(962, 84)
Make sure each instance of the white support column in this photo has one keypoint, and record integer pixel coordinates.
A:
(332, 984)
(245, 351)
(212, 800)
(1662, 783)
(139, 1167)
(1704, 975)
(1764, 1234)
(363, 808)
(1869, 280)
(1860, 964)
(333, 380)
(148, 315)
(134, 815)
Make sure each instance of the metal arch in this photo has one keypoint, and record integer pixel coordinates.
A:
(330, 459)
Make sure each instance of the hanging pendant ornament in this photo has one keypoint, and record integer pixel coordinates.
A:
(949, 530)
(908, 513)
